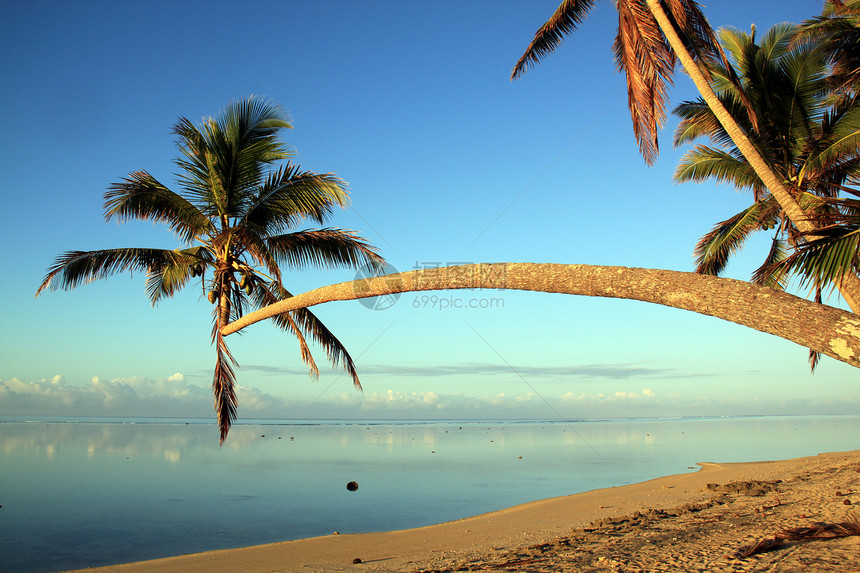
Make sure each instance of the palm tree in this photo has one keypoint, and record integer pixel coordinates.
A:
(810, 144)
(236, 216)
(651, 36)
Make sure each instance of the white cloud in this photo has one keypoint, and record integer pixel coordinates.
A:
(125, 396)
(173, 396)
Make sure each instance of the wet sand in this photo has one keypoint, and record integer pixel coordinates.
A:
(791, 515)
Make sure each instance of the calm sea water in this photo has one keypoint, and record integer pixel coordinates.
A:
(87, 492)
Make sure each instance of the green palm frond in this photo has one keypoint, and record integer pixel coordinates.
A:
(698, 120)
(837, 35)
(174, 271)
(328, 248)
(827, 259)
(223, 160)
(713, 250)
(73, 268)
(290, 196)
(702, 163)
(768, 274)
(141, 196)
(840, 144)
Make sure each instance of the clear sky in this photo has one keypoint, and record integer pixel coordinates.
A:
(448, 162)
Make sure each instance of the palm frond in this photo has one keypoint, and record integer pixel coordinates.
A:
(329, 248)
(702, 163)
(815, 356)
(304, 321)
(840, 145)
(265, 294)
(73, 268)
(713, 250)
(837, 35)
(698, 120)
(174, 271)
(224, 159)
(826, 259)
(289, 196)
(255, 246)
(335, 350)
(563, 22)
(648, 62)
(223, 384)
(141, 196)
(768, 274)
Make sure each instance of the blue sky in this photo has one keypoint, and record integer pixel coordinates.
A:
(448, 162)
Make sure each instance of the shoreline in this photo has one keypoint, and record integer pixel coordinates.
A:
(571, 530)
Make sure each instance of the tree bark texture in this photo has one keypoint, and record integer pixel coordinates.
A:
(823, 328)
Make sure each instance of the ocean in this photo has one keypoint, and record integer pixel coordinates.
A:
(83, 492)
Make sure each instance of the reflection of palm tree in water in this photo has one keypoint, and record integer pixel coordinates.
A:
(382, 302)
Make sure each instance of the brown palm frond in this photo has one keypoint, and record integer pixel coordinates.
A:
(223, 381)
(647, 60)
(303, 323)
(815, 356)
(335, 350)
(847, 528)
(266, 294)
(643, 53)
(563, 22)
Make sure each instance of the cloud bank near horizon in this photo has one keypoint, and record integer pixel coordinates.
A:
(620, 371)
(174, 396)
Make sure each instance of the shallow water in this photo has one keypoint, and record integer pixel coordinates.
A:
(79, 493)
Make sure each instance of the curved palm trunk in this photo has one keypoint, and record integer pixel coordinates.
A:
(850, 285)
(826, 329)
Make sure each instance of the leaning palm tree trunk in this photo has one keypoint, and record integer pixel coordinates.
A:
(850, 285)
(825, 329)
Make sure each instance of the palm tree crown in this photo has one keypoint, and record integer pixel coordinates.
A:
(810, 143)
(809, 139)
(236, 215)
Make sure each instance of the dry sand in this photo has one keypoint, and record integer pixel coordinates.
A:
(703, 521)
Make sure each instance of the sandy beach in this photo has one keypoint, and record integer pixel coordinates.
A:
(791, 515)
